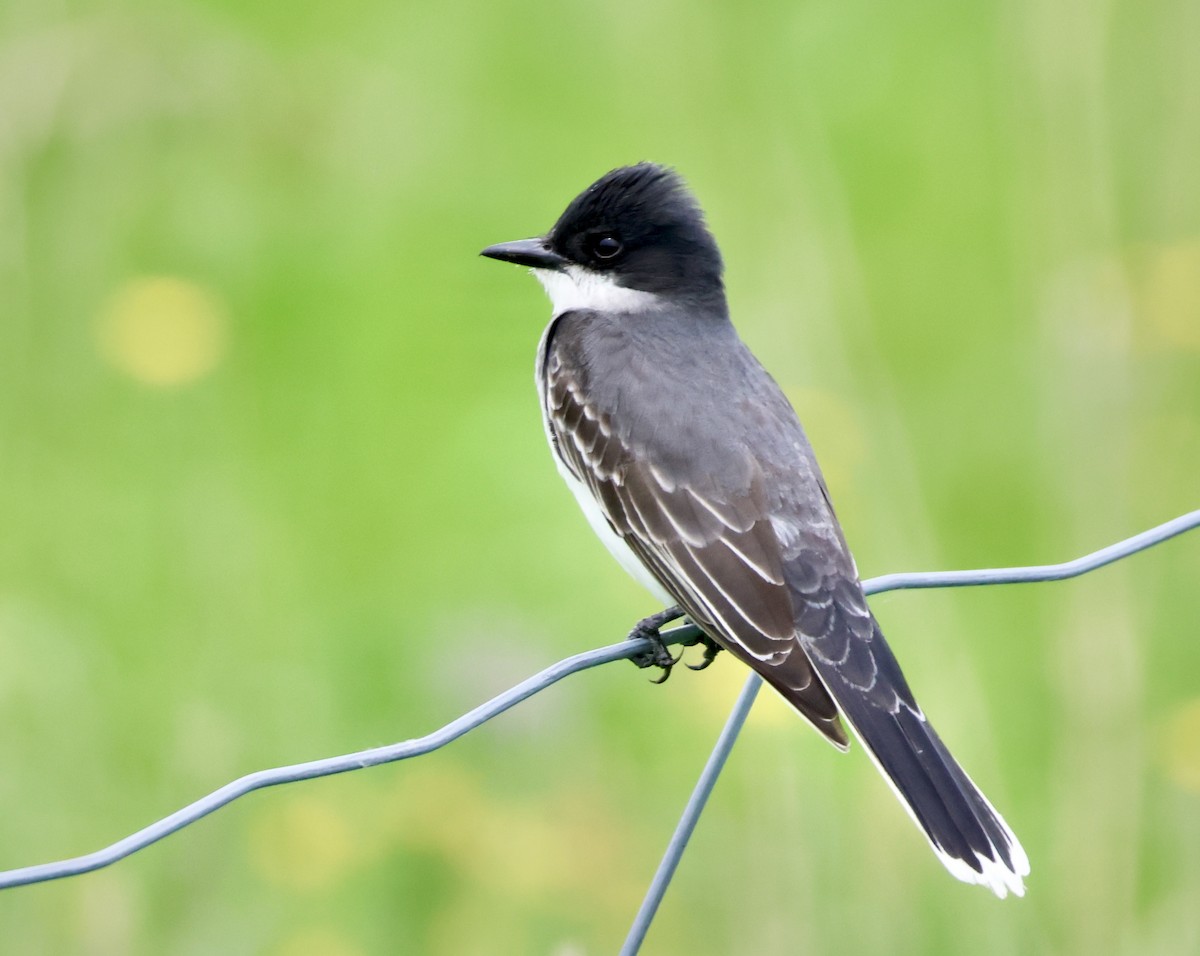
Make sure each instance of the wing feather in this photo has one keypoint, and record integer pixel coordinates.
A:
(767, 576)
(721, 559)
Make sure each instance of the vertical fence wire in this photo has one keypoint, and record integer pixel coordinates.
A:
(176, 821)
(888, 582)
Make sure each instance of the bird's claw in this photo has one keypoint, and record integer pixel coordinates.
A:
(711, 650)
(666, 663)
(657, 655)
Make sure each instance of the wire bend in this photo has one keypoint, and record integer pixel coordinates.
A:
(261, 779)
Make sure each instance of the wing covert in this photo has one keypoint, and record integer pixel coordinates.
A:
(720, 557)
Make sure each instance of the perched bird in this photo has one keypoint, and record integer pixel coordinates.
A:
(692, 467)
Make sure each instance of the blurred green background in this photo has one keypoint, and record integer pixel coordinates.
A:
(273, 485)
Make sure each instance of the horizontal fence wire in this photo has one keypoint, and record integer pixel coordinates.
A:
(888, 582)
(685, 634)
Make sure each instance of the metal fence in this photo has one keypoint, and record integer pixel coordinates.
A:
(74, 866)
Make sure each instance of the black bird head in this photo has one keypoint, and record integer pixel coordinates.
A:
(637, 228)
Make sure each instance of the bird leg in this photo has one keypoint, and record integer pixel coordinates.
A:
(657, 655)
(711, 650)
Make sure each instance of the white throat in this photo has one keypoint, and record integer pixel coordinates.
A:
(578, 288)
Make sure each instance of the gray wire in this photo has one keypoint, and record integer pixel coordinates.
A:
(181, 818)
(888, 582)
(1042, 572)
(691, 815)
(261, 779)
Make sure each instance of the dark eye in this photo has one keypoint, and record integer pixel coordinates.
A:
(605, 246)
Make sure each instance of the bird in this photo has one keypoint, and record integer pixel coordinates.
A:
(693, 468)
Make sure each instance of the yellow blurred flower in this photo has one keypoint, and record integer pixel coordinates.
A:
(1171, 294)
(303, 843)
(317, 942)
(162, 330)
(1181, 746)
(835, 429)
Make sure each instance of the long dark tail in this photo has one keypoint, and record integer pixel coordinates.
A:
(967, 834)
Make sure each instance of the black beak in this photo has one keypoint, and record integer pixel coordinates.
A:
(535, 253)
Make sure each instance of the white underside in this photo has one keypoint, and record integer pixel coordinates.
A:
(613, 541)
(575, 287)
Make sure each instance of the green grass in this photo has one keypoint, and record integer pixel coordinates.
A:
(318, 514)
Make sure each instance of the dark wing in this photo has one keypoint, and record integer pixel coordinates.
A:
(855, 664)
(757, 559)
(719, 556)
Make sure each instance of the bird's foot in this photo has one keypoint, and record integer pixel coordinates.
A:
(657, 655)
(711, 650)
